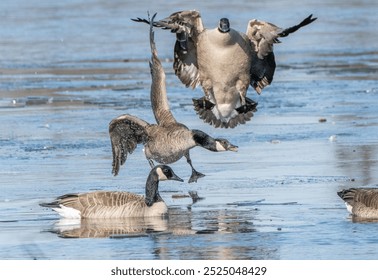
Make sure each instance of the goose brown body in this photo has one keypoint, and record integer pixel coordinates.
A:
(224, 62)
(116, 204)
(225, 81)
(361, 202)
(165, 142)
(107, 204)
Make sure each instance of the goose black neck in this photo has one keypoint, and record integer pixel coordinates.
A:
(152, 188)
(204, 140)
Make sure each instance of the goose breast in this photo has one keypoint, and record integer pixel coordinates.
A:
(168, 147)
(224, 57)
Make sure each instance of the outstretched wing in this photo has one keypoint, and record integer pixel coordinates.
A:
(189, 22)
(187, 25)
(262, 36)
(158, 94)
(126, 132)
(185, 62)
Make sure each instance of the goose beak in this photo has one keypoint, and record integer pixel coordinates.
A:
(176, 178)
(232, 148)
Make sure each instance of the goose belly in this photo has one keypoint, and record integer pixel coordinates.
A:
(130, 211)
(169, 147)
(157, 209)
(224, 59)
(362, 211)
(166, 158)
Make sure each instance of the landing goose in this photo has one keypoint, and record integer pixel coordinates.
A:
(224, 62)
(115, 204)
(361, 202)
(168, 140)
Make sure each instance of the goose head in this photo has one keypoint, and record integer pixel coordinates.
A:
(158, 173)
(164, 172)
(224, 25)
(215, 145)
(225, 145)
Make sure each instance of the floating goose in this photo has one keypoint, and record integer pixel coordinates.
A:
(168, 140)
(224, 62)
(178, 223)
(114, 204)
(361, 202)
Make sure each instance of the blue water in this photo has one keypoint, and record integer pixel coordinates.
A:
(67, 69)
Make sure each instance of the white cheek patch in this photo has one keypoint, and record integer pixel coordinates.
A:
(219, 147)
(161, 175)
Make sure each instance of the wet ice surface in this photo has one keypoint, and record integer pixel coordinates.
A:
(68, 69)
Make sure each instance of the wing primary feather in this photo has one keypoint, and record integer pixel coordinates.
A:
(294, 28)
(126, 132)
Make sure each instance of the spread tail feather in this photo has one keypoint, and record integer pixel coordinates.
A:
(348, 195)
(53, 204)
(244, 113)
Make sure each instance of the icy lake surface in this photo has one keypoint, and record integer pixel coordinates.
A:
(67, 68)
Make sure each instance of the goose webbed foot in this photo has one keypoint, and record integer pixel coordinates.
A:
(195, 176)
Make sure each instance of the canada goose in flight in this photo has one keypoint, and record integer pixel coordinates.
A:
(361, 202)
(115, 204)
(168, 140)
(224, 62)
